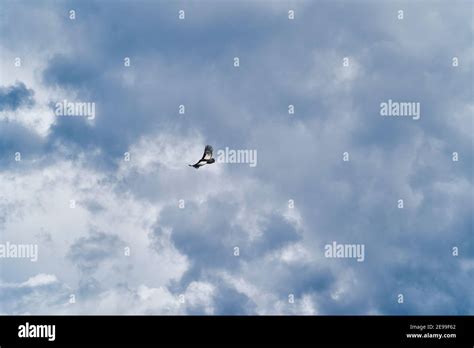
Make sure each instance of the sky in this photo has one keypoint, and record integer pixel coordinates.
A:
(122, 224)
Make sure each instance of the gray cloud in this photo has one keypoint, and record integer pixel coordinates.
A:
(300, 156)
(16, 96)
(87, 253)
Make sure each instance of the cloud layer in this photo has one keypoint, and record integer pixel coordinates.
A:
(124, 226)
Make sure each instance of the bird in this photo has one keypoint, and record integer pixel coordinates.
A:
(206, 158)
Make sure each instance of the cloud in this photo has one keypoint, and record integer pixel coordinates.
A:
(88, 252)
(15, 97)
(134, 204)
(35, 281)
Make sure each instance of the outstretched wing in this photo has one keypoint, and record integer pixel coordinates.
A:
(205, 157)
(207, 153)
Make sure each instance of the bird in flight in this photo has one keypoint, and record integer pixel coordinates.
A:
(206, 158)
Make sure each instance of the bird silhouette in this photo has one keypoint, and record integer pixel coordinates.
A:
(206, 158)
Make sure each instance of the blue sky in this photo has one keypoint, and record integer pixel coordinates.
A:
(182, 259)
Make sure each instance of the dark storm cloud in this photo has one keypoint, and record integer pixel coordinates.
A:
(87, 253)
(70, 73)
(14, 137)
(228, 301)
(190, 62)
(15, 97)
(208, 238)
